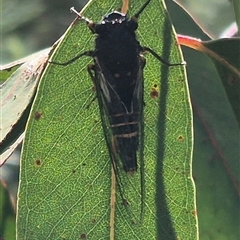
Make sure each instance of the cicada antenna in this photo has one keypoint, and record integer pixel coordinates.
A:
(89, 22)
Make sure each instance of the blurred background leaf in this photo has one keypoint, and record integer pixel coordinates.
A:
(216, 136)
(7, 217)
(28, 27)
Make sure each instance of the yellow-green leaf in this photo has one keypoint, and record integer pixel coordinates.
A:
(65, 187)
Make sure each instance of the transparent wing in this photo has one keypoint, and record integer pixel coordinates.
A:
(130, 186)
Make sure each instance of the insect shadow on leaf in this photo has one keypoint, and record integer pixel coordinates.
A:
(117, 74)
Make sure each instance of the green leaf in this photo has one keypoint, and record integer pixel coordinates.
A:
(216, 151)
(216, 136)
(65, 187)
(225, 54)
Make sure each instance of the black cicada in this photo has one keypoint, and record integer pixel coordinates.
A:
(117, 74)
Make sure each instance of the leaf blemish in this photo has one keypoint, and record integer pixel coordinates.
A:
(38, 162)
(37, 115)
(154, 93)
(180, 138)
(83, 236)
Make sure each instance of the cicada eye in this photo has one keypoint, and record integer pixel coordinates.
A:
(132, 25)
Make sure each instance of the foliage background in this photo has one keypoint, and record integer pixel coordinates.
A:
(29, 26)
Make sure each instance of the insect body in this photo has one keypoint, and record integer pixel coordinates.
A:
(117, 74)
(118, 69)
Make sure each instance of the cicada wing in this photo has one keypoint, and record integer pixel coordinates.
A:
(130, 185)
